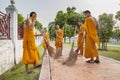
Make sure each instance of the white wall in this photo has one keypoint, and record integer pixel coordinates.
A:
(7, 53)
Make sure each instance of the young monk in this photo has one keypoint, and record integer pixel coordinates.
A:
(47, 38)
(59, 38)
(80, 37)
(30, 51)
(91, 38)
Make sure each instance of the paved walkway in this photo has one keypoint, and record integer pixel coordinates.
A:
(108, 69)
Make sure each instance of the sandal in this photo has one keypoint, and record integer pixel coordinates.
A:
(90, 61)
(38, 66)
(97, 61)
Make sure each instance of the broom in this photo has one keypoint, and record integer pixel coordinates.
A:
(58, 53)
(70, 61)
(50, 49)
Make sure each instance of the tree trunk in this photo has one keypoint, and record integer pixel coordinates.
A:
(64, 39)
(106, 45)
(69, 40)
(102, 45)
(99, 46)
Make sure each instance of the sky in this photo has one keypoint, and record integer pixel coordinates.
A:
(47, 9)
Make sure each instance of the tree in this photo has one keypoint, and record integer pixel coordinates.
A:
(117, 16)
(118, 35)
(38, 25)
(20, 19)
(73, 17)
(69, 31)
(68, 19)
(106, 26)
(60, 18)
(51, 29)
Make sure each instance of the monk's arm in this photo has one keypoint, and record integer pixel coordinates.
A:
(58, 35)
(38, 35)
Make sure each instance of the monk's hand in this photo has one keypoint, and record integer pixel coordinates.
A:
(77, 50)
(27, 22)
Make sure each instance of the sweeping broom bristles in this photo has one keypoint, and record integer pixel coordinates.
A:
(72, 57)
(72, 49)
(73, 54)
(50, 49)
(58, 53)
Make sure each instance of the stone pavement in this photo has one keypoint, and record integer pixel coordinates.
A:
(108, 69)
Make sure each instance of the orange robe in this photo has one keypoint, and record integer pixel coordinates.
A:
(47, 37)
(30, 50)
(80, 38)
(58, 41)
(91, 38)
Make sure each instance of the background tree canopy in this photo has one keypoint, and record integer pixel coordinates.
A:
(106, 26)
(67, 20)
(20, 19)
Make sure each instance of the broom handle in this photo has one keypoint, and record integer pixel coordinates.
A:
(81, 42)
(45, 41)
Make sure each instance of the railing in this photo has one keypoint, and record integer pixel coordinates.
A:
(4, 26)
(20, 31)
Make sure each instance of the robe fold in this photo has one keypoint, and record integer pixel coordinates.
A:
(58, 41)
(47, 37)
(80, 38)
(91, 38)
(30, 51)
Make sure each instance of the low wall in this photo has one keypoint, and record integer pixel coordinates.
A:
(6, 55)
(7, 51)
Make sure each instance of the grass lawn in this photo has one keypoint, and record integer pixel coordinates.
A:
(18, 72)
(112, 52)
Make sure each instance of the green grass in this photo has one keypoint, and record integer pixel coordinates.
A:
(18, 72)
(112, 52)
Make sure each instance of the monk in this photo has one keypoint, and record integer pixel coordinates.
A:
(47, 38)
(59, 38)
(80, 37)
(92, 39)
(30, 52)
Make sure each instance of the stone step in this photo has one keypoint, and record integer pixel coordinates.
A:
(45, 70)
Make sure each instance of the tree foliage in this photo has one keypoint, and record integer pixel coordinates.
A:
(106, 26)
(20, 19)
(117, 16)
(38, 25)
(69, 31)
(60, 18)
(68, 20)
(51, 29)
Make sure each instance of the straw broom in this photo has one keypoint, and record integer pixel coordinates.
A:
(72, 57)
(58, 53)
(70, 61)
(50, 49)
